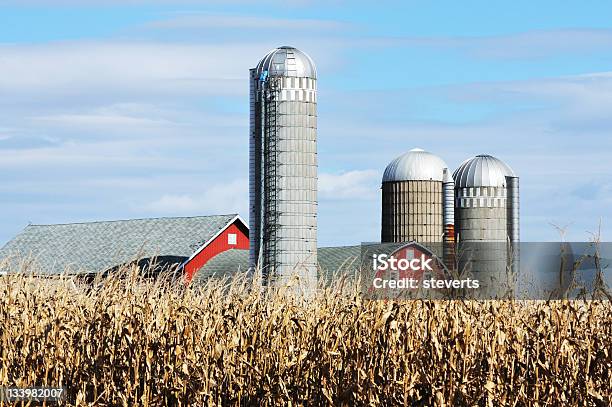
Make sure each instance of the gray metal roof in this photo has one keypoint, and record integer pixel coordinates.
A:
(287, 61)
(482, 171)
(224, 264)
(339, 259)
(332, 260)
(415, 165)
(100, 246)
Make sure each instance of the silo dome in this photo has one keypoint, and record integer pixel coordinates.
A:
(287, 61)
(415, 165)
(482, 171)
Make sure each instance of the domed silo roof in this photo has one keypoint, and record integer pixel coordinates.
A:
(287, 61)
(482, 171)
(415, 165)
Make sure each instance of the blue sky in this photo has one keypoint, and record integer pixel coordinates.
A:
(126, 109)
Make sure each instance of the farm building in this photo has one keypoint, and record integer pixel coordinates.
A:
(89, 248)
(200, 246)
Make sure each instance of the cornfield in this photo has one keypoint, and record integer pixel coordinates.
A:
(130, 341)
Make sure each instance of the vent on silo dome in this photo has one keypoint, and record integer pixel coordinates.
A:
(415, 165)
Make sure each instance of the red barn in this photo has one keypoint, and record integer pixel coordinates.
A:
(91, 248)
(235, 235)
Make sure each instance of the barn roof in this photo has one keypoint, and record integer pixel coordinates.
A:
(342, 259)
(100, 246)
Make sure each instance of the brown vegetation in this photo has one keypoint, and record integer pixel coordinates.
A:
(132, 342)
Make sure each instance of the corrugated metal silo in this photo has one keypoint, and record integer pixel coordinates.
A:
(484, 216)
(513, 216)
(283, 165)
(413, 199)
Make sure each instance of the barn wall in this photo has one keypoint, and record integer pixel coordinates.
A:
(218, 245)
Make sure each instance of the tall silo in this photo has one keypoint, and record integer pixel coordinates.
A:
(414, 204)
(283, 166)
(486, 217)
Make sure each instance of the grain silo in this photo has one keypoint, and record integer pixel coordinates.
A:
(415, 206)
(486, 216)
(283, 165)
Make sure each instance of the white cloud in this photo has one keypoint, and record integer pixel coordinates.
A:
(77, 68)
(567, 100)
(529, 44)
(574, 87)
(542, 43)
(231, 197)
(130, 121)
(61, 81)
(356, 184)
(174, 204)
(60, 74)
(213, 21)
(5, 133)
(89, 121)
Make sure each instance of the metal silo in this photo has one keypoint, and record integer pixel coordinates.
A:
(486, 193)
(448, 218)
(414, 204)
(283, 166)
(512, 213)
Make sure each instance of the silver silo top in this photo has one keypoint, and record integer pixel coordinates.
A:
(482, 171)
(415, 165)
(287, 61)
